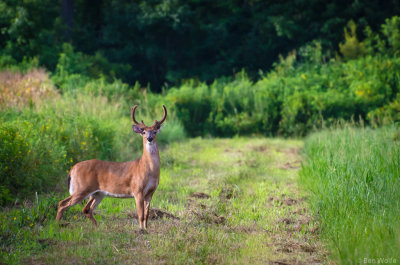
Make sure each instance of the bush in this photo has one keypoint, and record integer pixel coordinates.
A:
(351, 48)
(85, 67)
(193, 105)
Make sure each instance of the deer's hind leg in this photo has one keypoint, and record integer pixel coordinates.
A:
(86, 209)
(68, 202)
(93, 202)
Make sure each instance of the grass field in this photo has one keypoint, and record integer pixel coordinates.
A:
(354, 179)
(220, 201)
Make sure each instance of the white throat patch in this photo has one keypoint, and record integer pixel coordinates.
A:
(151, 147)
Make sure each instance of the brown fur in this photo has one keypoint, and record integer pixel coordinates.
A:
(139, 177)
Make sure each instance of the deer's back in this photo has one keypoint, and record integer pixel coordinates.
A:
(96, 175)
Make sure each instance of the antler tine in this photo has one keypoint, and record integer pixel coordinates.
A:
(133, 114)
(165, 115)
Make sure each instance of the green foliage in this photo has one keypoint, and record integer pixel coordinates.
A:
(291, 100)
(303, 92)
(42, 138)
(17, 228)
(76, 65)
(387, 41)
(351, 48)
(39, 148)
(166, 41)
(193, 104)
(386, 114)
(353, 179)
(391, 30)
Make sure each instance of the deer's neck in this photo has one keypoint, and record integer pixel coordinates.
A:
(151, 156)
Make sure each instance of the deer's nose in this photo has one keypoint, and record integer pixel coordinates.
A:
(150, 139)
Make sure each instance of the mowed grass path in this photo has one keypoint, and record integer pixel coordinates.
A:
(231, 201)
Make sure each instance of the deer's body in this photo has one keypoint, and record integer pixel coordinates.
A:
(133, 179)
(122, 180)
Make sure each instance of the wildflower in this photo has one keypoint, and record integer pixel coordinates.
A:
(15, 218)
(83, 143)
(31, 224)
(65, 155)
(304, 76)
(75, 217)
(28, 218)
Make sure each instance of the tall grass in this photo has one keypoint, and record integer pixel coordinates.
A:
(354, 179)
(44, 132)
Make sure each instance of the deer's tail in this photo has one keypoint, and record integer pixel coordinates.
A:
(69, 180)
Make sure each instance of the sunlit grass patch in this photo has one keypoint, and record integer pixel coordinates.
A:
(353, 175)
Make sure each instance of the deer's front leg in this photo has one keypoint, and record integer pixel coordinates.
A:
(147, 201)
(140, 210)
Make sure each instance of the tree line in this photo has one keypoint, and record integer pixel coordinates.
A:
(164, 42)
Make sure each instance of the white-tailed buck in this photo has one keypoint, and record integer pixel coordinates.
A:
(95, 179)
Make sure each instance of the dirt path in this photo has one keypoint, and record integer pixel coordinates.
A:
(251, 188)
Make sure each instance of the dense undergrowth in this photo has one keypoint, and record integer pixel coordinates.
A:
(354, 178)
(43, 132)
(305, 90)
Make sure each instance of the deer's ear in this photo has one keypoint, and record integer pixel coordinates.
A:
(137, 129)
(159, 128)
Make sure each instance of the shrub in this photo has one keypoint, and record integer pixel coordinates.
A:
(18, 90)
(86, 67)
(351, 48)
(193, 104)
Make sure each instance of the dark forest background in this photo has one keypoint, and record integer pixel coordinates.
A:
(164, 42)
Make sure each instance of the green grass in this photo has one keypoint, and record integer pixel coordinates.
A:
(255, 213)
(354, 177)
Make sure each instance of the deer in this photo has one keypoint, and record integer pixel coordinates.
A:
(96, 179)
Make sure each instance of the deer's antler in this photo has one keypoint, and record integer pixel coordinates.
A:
(158, 123)
(133, 116)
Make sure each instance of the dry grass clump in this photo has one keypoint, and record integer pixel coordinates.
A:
(18, 90)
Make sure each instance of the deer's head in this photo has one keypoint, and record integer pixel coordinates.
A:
(148, 133)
